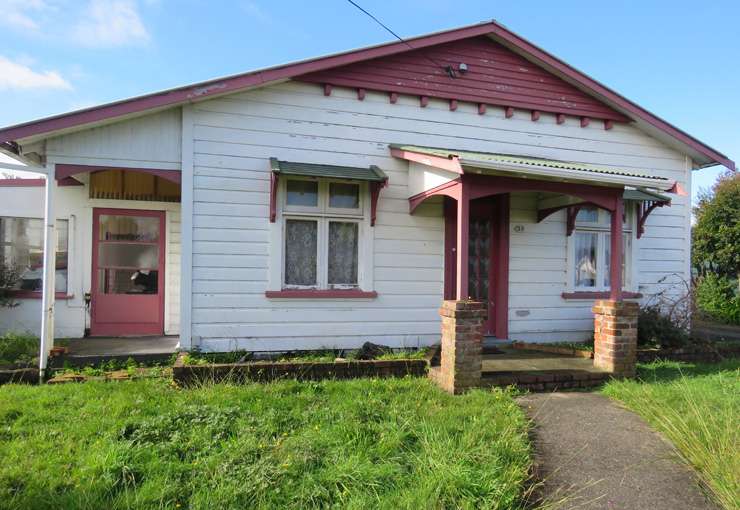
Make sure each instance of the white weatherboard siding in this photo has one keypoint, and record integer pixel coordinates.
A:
(235, 135)
(151, 141)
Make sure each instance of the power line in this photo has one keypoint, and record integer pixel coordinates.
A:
(449, 69)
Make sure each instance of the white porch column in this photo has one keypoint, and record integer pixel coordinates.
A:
(186, 239)
(49, 273)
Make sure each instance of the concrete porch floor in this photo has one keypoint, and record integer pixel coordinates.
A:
(539, 371)
(122, 346)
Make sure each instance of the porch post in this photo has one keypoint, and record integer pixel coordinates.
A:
(46, 338)
(615, 275)
(463, 222)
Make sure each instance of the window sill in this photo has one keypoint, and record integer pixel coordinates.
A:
(598, 295)
(321, 294)
(30, 294)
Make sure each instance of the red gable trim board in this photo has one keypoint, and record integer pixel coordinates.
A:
(611, 105)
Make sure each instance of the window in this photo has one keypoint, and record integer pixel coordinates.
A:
(322, 225)
(590, 250)
(22, 244)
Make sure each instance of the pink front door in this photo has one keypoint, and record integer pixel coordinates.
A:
(128, 272)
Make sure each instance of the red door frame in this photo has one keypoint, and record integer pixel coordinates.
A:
(120, 329)
(497, 207)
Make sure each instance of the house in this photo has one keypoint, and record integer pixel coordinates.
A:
(340, 199)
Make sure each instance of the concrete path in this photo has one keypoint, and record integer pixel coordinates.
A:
(598, 455)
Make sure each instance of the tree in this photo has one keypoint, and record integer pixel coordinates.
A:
(716, 234)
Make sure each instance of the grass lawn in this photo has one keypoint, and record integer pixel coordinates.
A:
(394, 443)
(697, 407)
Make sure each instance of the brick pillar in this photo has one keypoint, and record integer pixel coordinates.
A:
(462, 337)
(615, 336)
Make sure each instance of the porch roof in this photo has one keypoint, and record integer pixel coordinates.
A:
(530, 165)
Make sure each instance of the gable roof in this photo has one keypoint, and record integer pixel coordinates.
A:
(701, 153)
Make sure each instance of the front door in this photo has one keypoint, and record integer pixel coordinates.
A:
(128, 272)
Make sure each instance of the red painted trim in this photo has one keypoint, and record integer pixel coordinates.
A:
(585, 121)
(22, 183)
(509, 112)
(273, 196)
(375, 188)
(608, 124)
(453, 105)
(450, 273)
(361, 94)
(451, 164)
(461, 245)
(393, 97)
(65, 170)
(118, 329)
(643, 211)
(598, 295)
(501, 266)
(560, 118)
(327, 89)
(449, 189)
(615, 269)
(261, 77)
(535, 115)
(571, 219)
(32, 294)
(423, 101)
(321, 294)
(481, 108)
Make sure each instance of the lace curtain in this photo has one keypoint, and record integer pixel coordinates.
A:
(300, 252)
(343, 253)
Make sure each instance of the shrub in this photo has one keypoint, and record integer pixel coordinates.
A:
(18, 348)
(718, 297)
(655, 328)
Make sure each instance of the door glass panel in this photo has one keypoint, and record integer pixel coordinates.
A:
(127, 281)
(302, 193)
(479, 259)
(135, 256)
(128, 228)
(344, 196)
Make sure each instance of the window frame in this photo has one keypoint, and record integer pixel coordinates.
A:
(323, 215)
(602, 229)
(69, 251)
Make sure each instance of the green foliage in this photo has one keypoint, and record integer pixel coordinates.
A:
(18, 348)
(696, 406)
(657, 329)
(317, 356)
(716, 234)
(718, 297)
(391, 443)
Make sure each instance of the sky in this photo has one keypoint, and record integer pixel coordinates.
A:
(678, 59)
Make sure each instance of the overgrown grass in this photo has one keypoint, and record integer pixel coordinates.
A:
(394, 443)
(18, 348)
(697, 407)
(316, 356)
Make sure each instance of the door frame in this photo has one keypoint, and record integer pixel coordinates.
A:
(498, 277)
(162, 246)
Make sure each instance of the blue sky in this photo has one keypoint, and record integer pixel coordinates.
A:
(674, 58)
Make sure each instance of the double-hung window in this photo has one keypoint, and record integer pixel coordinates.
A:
(322, 232)
(22, 248)
(590, 257)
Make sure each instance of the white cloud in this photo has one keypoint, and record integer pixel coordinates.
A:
(107, 23)
(20, 14)
(16, 75)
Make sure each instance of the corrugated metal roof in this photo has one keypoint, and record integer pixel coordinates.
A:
(372, 173)
(469, 158)
(645, 195)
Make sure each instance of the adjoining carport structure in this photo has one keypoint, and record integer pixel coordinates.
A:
(476, 284)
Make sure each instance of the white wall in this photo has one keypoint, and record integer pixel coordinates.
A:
(72, 203)
(234, 137)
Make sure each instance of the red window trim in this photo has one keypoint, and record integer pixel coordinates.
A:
(321, 294)
(36, 294)
(598, 295)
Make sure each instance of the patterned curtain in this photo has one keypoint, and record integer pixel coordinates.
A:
(300, 252)
(343, 253)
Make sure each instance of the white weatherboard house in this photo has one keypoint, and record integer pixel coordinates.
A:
(340, 199)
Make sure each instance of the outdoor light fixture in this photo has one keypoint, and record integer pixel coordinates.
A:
(463, 68)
